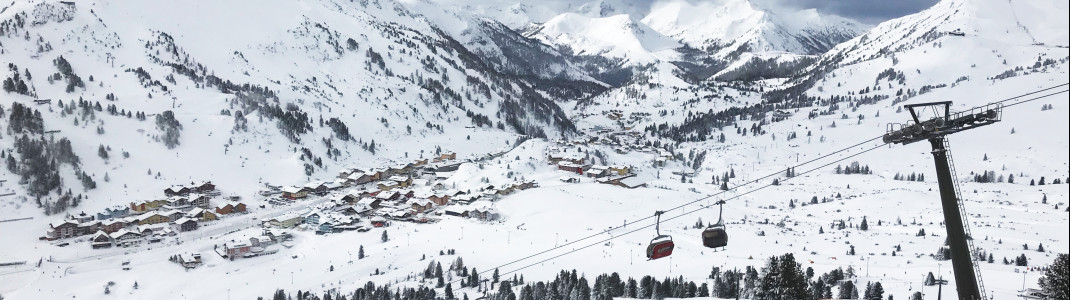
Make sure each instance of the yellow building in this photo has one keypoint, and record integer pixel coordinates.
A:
(152, 218)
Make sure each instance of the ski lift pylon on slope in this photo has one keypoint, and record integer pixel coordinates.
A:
(715, 236)
(661, 245)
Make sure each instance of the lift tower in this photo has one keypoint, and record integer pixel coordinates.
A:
(944, 122)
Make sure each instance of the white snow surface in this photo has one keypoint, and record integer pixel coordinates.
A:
(273, 46)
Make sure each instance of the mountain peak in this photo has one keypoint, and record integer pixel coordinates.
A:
(726, 28)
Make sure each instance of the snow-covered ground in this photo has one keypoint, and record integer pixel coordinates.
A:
(575, 220)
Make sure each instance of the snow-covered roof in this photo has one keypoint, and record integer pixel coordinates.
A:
(398, 178)
(61, 223)
(122, 232)
(291, 189)
(420, 202)
(147, 216)
(183, 220)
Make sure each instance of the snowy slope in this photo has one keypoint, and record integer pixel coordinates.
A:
(729, 27)
(406, 87)
(290, 56)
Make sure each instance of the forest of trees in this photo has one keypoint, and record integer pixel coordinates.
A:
(782, 277)
(170, 128)
(36, 160)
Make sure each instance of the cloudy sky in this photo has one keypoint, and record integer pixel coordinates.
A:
(868, 11)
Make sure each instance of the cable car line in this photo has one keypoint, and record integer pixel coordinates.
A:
(680, 215)
(737, 187)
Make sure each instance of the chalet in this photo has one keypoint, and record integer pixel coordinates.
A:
(125, 238)
(325, 227)
(406, 194)
(388, 196)
(201, 215)
(348, 210)
(277, 235)
(185, 224)
(100, 240)
(294, 193)
(620, 170)
(112, 225)
(147, 206)
(570, 167)
(113, 212)
(387, 185)
(457, 212)
(557, 158)
(334, 185)
(314, 217)
(371, 202)
(198, 200)
(177, 203)
(176, 190)
(484, 214)
(419, 162)
(420, 205)
(379, 222)
(438, 187)
(87, 227)
(597, 171)
(442, 167)
(202, 187)
(361, 178)
(344, 198)
(230, 208)
(189, 260)
(439, 199)
(287, 221)
(173, 215)
(318, 188)
(225, 209)
(447, 156)
(152, 218)
(376, 174)
(399, 213)
(529, 184)
(491, 195)
(466, 198)
(403, 181)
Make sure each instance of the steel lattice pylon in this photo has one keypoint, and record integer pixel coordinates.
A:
(967, 274)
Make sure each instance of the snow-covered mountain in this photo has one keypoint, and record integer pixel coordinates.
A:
(617, 37)
(728, 28)
(952, 43)
(138, 95)
(291, 87)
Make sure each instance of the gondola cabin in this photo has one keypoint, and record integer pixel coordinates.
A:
(714, 237)
(660, 246)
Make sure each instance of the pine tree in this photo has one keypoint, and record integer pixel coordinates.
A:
(864, 226)
(360, 252)
(848, 290)
(1056, 280)
(385, 237)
